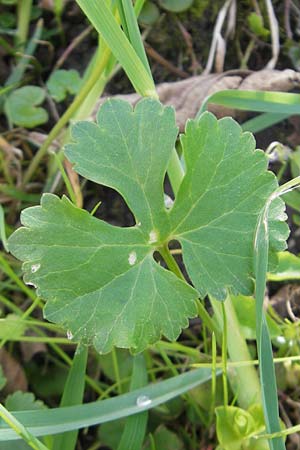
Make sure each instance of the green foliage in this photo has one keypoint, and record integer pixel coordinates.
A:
(8, 2)
(53, 421)
(21, 107)
(62, 82)
(165, 439)
(124, 361)
(288, 268)
(256, 25)
(245, 311)
(235, 427)
(7, 20)
(110, 433)
(176, 5)
(11, 327)
(23, 401)
(149, 14)
(2, 379)
(101, 282)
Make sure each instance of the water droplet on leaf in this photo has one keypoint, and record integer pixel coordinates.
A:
(168, 201)
(143, 400)
(69, 335)
(152, 237)
(29, 283)
(132, 258)
(35, 268)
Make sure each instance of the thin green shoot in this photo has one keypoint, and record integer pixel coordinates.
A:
(2, 229)
(18, 428)
(58, 420)
(65, 178)
(116, 370)
(260, 101)
(224, 357)
(135, 426)
(213, 377)
(265, 354)
(23, 14)
(128, 17)
(73, 395)
(106, 25)
(18, 72)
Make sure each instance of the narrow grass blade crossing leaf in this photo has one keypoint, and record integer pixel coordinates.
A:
(135, 426)
(73, 395)
(58, 420)
(266, 366)
(261, 101)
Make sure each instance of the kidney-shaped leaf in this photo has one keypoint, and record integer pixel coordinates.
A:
(101, 281)
(21, 107)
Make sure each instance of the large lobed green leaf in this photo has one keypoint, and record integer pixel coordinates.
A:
(101, 281)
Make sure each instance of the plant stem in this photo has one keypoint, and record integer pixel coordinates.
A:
(175, 171)
(92, 80)
(21, 430)
(24, 12)
(171, 262)
(246, 382)
(224, 357)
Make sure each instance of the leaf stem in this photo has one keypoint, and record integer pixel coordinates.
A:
(248, 388)
(224, 357)
(170, 261)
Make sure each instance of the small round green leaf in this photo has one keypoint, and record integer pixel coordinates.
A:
(149, 14)
(62, 82)
(21, 107)
(176, 5)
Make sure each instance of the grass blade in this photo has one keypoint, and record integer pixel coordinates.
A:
(20, 68)
(73, 395)
(20, 430)
(134, 34)
(260, 101)
(135, 427)
(2, 229)
(265, 354)
(58, 420)
(263, 121)
(104, 22)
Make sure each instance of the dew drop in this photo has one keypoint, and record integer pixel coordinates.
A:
(139, 224)
(69, 335)
(143, 400)
(29, 283)
(281, 339)
(35, 268)
(132, 258)
(152, 237)
(168, 201)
